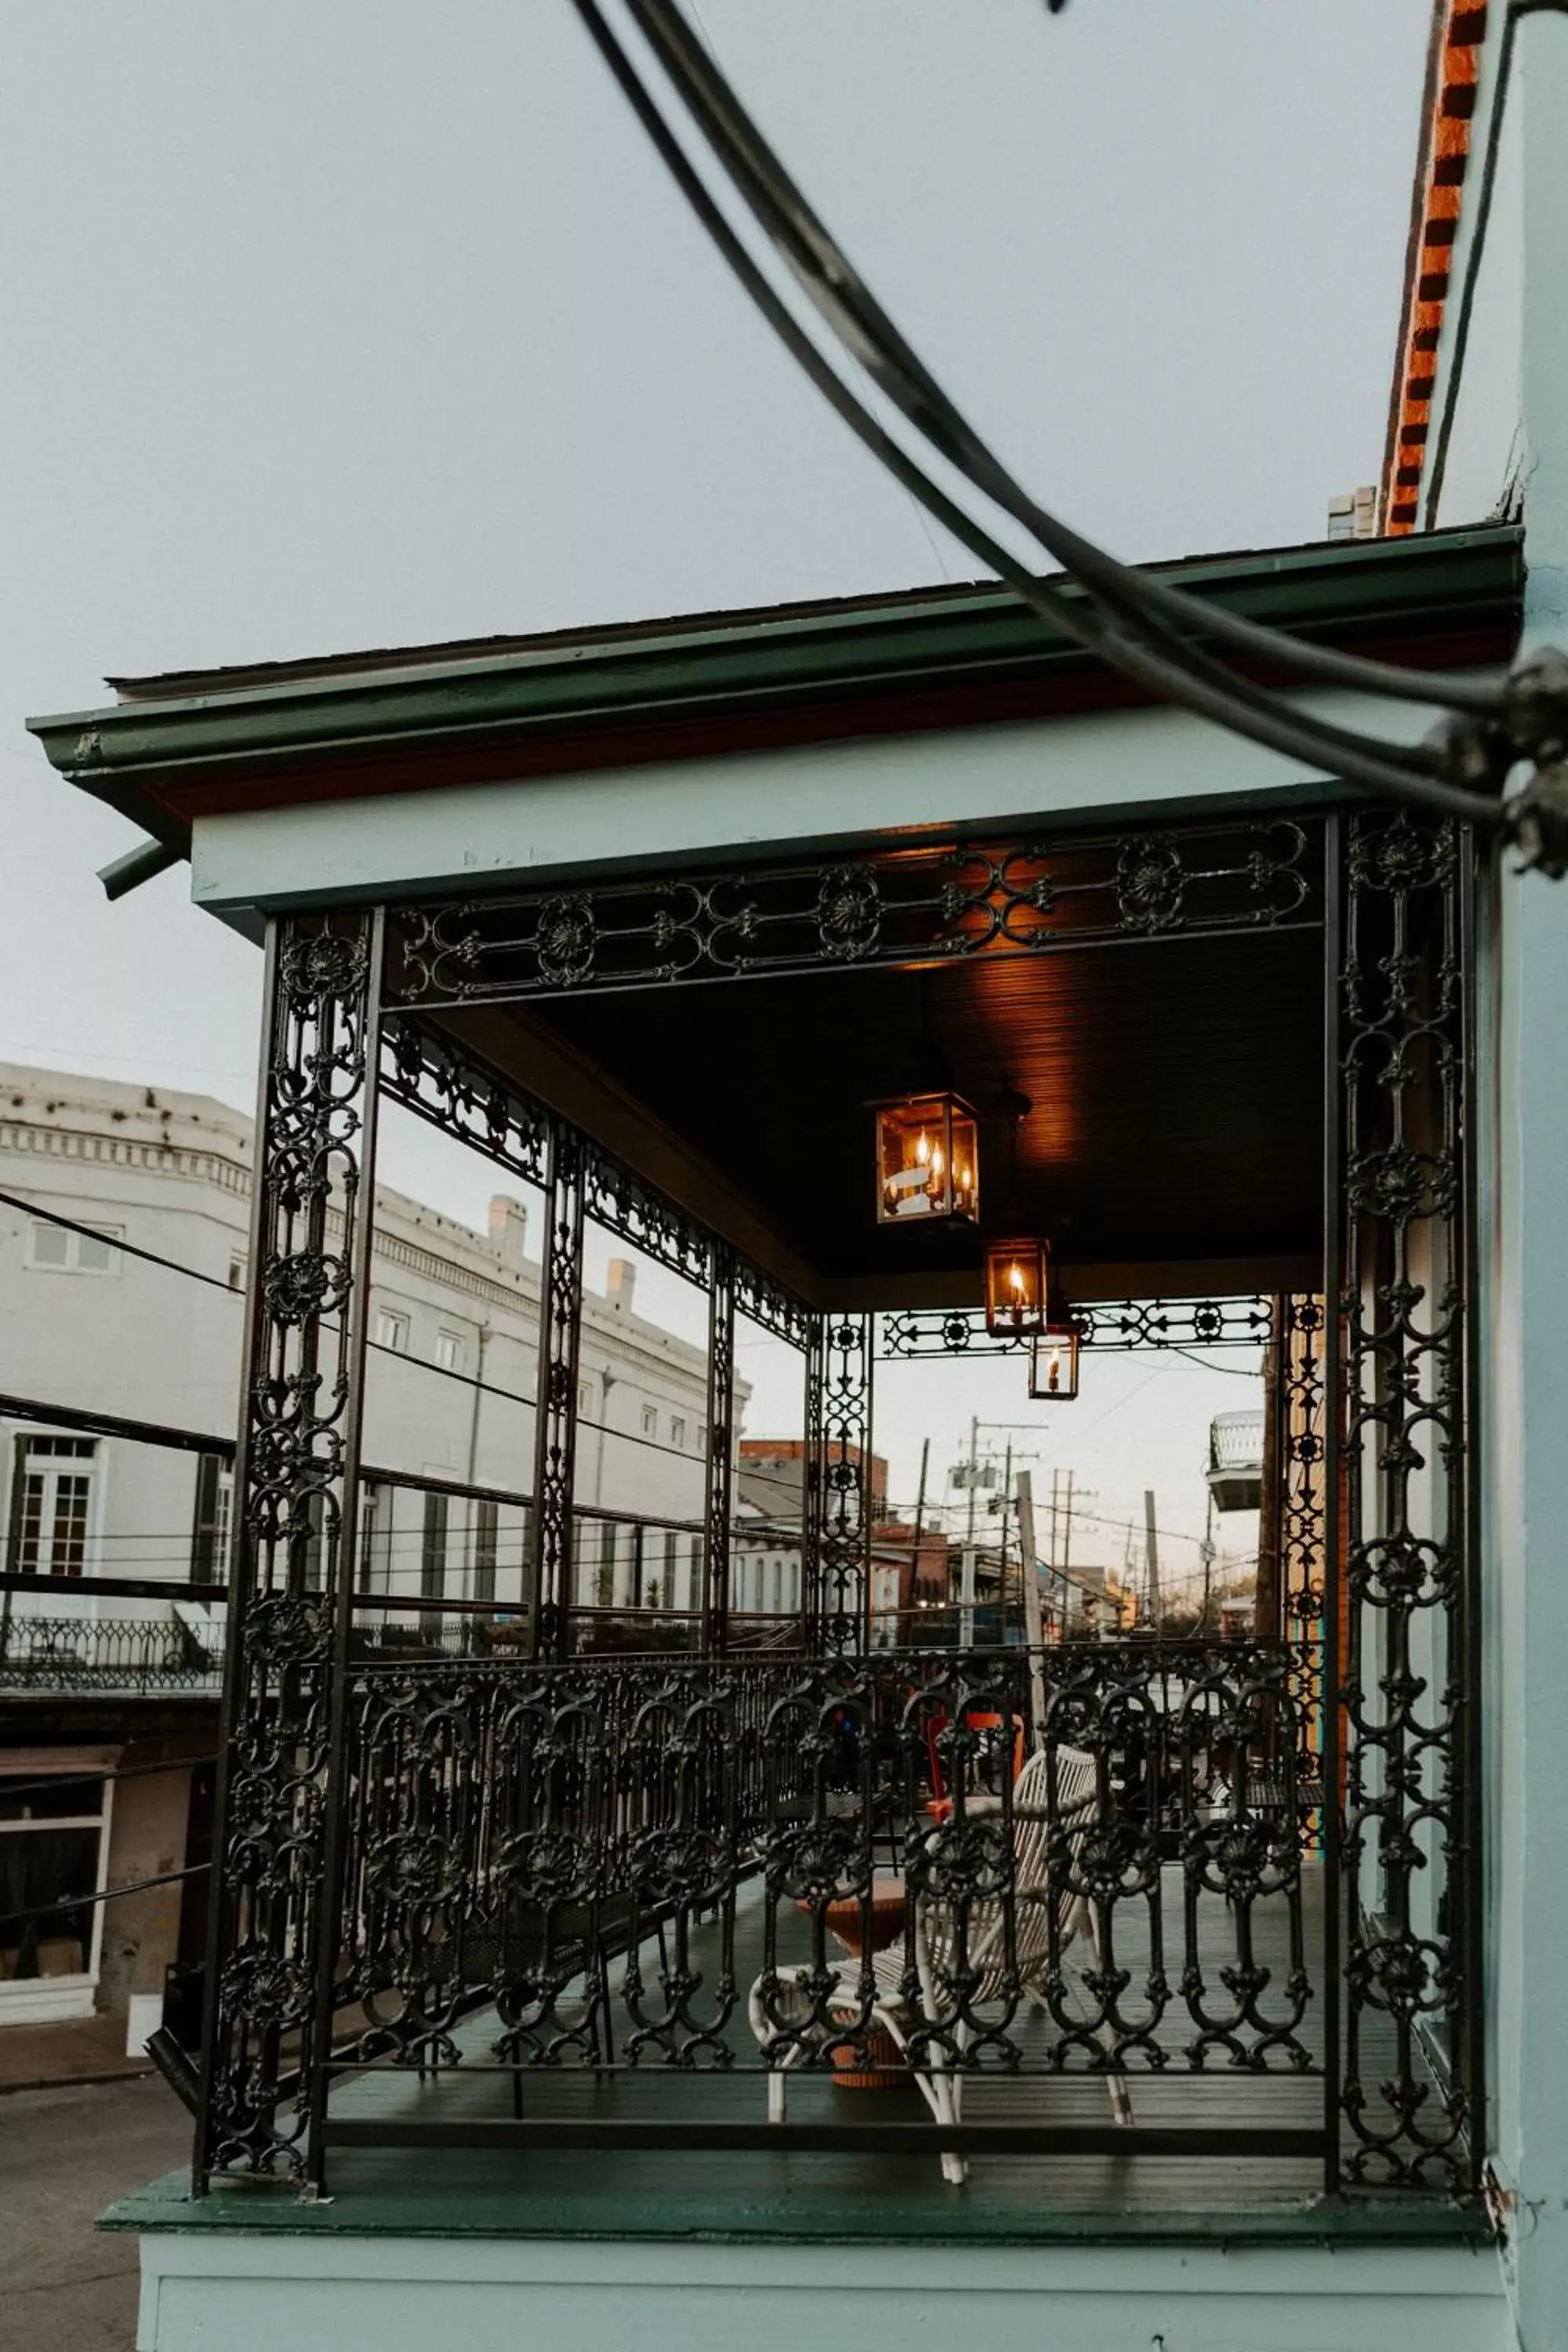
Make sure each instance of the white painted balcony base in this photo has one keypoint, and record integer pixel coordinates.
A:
(251, 2289)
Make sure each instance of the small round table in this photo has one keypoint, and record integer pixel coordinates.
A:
(846, 1918)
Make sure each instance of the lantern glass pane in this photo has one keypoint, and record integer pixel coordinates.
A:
(1053, 1364)
(927, 1163)
(1016, 1286)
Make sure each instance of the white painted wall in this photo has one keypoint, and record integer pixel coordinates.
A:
(783, 799)
(1527, 1483)
(250, 2290)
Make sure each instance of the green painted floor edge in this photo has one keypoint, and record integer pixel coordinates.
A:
(805, 2216)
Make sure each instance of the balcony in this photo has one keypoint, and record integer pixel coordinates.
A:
(802, 1913)
(45, 1657)
(1235, 1461)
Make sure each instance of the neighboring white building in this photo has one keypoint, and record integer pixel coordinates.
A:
(86, 1681)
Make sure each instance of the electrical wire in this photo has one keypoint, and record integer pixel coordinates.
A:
(108, 1894)
(864, 327)
(52, 1781)
(1136, 638)
(865, 331)
(377, 1346)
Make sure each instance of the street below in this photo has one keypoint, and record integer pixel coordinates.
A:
(64, 2156)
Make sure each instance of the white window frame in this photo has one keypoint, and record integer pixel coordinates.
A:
(94, 1465)
(448, 1349)
(678, 1429)
(69, 1262)
(390, 1329)
(650, 1420)
(46, 2000)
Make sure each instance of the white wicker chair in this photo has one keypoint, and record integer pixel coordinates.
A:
(933, 2033)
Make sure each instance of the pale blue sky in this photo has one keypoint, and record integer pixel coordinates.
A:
(334, 323)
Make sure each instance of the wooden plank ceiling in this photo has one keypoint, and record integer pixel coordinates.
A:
(1177, 1088)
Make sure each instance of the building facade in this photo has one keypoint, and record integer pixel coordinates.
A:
(124, 1235)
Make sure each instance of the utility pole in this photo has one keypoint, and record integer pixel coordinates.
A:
(1034, 1632)
(920, 1527)
(1152, 1558)
(966, 1572)
(1002, 1564)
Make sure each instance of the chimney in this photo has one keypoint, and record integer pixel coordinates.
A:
(619, 1284)
(508, 1223)
(1354, 514)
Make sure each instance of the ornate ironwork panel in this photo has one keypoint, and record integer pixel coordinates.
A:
(646, 1866)
(1301, 1464)
(839, 1500)
(294, 1468)
(904, 909)
(769, 1303)
(1126, 1323)
(1411, 2038)
(431, 1076)
(138, 1656)
(640, 1214)
(721, 1434)
(555, 1409)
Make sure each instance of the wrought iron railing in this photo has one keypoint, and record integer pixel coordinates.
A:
(134, 1654)
(1236, 1441)
(1095, 1860)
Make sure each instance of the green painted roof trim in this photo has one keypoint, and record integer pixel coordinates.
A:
(713, 666)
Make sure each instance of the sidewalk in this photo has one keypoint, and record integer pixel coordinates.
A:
(50, 2057)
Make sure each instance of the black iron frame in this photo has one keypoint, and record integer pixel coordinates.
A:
(1400, 1777)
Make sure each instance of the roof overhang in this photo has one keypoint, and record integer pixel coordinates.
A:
(174, 748)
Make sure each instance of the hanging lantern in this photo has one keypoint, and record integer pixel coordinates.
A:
(1016, 1276)
(928, 1164)
(1053, 1359)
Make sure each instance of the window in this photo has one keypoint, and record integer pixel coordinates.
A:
(52, 1844)
(485, 1523)
(702, 1437)
(51, 1496)
(649, 1421)
(677, 1430)
(237, 1274)
(585, 1396)
(391, 1329)
(55, 1249)
(375, 1570)
(450, 1350)
(433, 1548)
(215, 1514)
(315, 1518)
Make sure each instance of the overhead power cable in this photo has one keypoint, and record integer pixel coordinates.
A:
(105, 1895)
(377, 1346)
(53, 1781)
(1140, 625)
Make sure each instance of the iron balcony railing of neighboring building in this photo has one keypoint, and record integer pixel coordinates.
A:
(45, 1656)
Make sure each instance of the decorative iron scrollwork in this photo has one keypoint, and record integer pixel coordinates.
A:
(907, 908)
(840, 1473)
(1126, 1323)
(292, 1467)
(1407, 1689)
(581, 1848)
(429, 1075)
